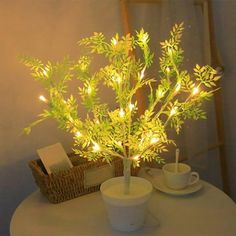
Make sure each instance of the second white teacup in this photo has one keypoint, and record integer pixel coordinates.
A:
(180, 179)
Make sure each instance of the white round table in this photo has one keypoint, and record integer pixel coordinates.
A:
(208, 212)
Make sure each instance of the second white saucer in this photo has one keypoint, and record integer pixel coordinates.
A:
(159, 184)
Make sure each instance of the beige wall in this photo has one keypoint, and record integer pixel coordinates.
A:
(225, 25)
(48, 29)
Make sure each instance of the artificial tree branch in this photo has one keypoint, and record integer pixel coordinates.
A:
(120, 124)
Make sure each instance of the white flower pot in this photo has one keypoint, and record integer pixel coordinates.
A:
(126, 212)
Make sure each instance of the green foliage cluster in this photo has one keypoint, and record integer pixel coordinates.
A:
(174, 96)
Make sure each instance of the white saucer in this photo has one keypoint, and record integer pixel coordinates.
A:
(158, 183)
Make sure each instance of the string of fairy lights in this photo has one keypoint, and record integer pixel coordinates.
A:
(149, 139)
(153, 140)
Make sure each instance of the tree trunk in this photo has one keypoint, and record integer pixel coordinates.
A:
(127, 174)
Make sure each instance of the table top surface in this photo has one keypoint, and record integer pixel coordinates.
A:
(207, 212)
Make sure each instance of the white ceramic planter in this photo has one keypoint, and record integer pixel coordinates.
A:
(126, 212)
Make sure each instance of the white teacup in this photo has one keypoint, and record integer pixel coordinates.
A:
(180, 179)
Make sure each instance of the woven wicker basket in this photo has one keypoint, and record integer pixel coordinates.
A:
(70, 184)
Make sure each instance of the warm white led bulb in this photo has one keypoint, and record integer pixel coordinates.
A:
(114, 41)
(160, 93)
(89, 90)
(145, 38)
(122, 112)
(167, 70)
(136, 158)
(173, 111)
(195, 91)
(154, 140)
(142, 73)
(178, 86)
(78, 134)
(119, 143)
(131, 106)
(96, 147)
(42, 98)
(116, 78)
(45, 72)
(70, 118)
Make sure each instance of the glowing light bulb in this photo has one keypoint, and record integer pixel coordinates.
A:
(167, 70)
(131, 106)
(195, 91)
(122, 112)
(89, 90)
(117, 79)
(136, 158)
(141, 141)
(70, 118)
(160, 93)
(83, 67)
(178, 86)
(42, 98)
(45, 72)
(145, 38)
(173, 111)
(119, 143)
(114, 41)
(142, 73)
(78, 134)
(96, 147)
(154, 140)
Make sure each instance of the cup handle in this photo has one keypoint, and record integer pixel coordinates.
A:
(193, 180)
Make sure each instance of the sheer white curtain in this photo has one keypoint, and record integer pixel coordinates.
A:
(158, 18)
